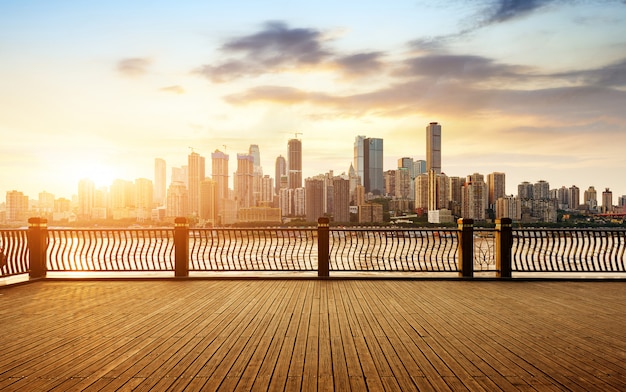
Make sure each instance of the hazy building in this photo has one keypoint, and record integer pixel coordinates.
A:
(607, 201)
(562, 196)
(160, 181)
(16, 206)
(421, 191)
(45, 203)
(196, 173)
(370, 213)
(267, 190)
(219, 174)
(244, 182)
(541, 190)
(280, 171)
(574, 197)
(403, 184)
(121, 194)
(525, 190)
(86, 198)
(208, 202)
(359, 195)
(419, 167)
(433, 147)
(359, 157)
(299, 202)
(341, 199)
(143, 197)
(497, 188)
(177, 200)
(294, 163)
(354, 182)
(389, 177)
(590, 198)
(455, 197)
(314, 194)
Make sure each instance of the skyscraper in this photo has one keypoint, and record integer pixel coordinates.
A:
(341, 199)
(143, 198)
(243, 184)
(86, 198)
(195, 174)
(496, 185)
(607, 201)
(368, 164)
(433, 147)
(219, 173)
(574, 197)
(208, 201)
(474, 197)
(160, 186)
(280, 171)
(294, 162)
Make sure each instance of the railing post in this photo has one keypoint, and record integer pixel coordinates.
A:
(466, 247)
(181, 247)
(37, 247)
(504, 245)
(323, 247)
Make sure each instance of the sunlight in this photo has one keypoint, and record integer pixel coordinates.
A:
(100, 174)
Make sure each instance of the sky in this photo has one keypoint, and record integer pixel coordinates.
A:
(535, 89)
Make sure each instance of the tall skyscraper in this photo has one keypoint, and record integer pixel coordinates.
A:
(160, 186)
(541, 190)
(208, 201)
(574, 197)
(195, 175)
(219, 173)
(280, 171)
(496, 185)
(294, 162)
(243, 184)
(433, 147)
(17, 205)
(177, 200)
(368, 164)
(143, 198)
(257, 170)
(607, 201)
(86, 198)
(359, 158)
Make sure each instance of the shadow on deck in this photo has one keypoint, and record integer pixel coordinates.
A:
(313, 334)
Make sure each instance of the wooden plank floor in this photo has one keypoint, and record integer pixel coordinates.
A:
(313, 335)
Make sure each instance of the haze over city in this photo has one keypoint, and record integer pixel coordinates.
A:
(534, 89)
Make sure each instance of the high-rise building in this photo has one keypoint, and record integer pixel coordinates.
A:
(389, 177)
(368, 163)
(160, 186)
(590, 198)
(219, 174)
(433, 147)
(419, 167)
(541, 190)
(257, 172)
(341, 199)
(403, 184)
(574, 197)
(314, 195)
(562, 195)
(280, 171)
(359, 158)
(16, 206)
(177, 200)
(208, 202)
(196, 174)
(455, 196)
(143, 198)
(474, 197)
(525, 190)
(267, 189)
(46, 203)
(607, 201)
(509, 207)
(86, 198)
(243, 185)
(496, 186)
(421, 191)
(294, 163)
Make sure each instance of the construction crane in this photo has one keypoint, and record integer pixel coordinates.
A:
(298, 133)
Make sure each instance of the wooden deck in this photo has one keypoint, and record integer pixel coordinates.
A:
(313, 335)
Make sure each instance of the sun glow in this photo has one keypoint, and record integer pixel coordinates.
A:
(100, 174)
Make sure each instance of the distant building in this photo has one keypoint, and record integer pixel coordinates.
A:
(341, 199)
(160, 186)
(509, 207)
(294, 163)
(195, 174)
(496, 185)
(607, 201)
(280, 171)
(16, 206)
(433, 147)
(574, 197)
(368, 162)
(474, 197)
(86, 198)
(370, 213)
(177, 200)
(314, 193)
(208, 202)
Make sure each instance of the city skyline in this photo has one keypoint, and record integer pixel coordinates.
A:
(532, 89)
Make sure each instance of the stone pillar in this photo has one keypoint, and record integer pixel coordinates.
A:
(323, 247)
(466, 247)
(181, 247)
(504, 246)
(37, 247)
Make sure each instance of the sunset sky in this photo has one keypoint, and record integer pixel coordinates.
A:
(535, 89)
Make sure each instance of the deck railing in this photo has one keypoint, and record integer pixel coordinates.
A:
(464, 250)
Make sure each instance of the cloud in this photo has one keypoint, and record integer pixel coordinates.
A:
(459, 67)
(173, 89)
(611, 75)
(361, 63)
(275, 48)
(504, 10)
(133, 67)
